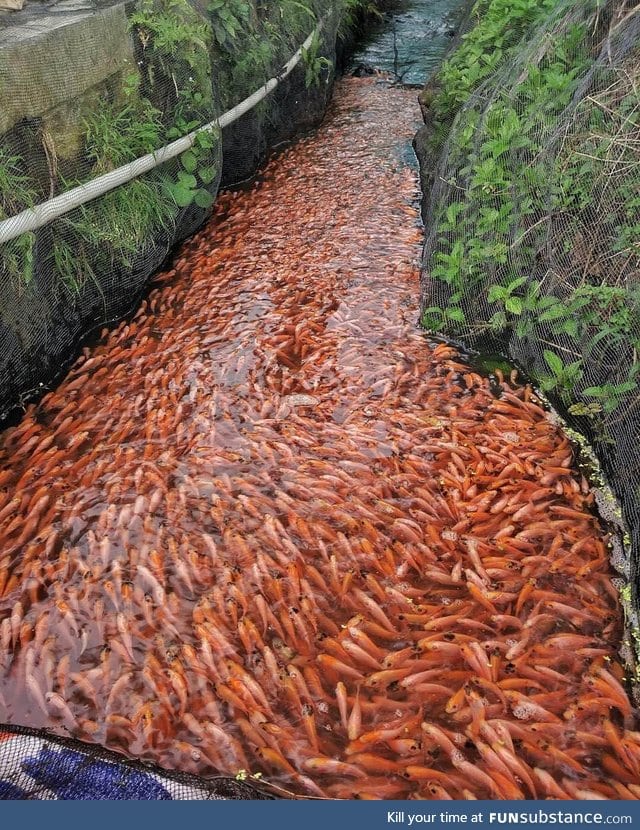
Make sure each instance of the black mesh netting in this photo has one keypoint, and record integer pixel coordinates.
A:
(36, 765)
(533, 213)
(181, 68)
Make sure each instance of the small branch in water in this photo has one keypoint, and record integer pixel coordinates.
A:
(395, 54)
(398, 78)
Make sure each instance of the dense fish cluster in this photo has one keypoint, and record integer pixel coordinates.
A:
(266, 525)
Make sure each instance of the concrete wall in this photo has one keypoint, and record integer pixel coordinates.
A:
(62, 69)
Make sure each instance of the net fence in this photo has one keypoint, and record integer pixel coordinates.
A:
(533, 215)
(38, 766)
(118, 84)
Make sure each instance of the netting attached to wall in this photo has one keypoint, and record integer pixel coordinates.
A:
(534, 213)
(120, 84)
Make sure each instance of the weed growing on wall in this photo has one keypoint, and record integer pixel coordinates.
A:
(169, 92)
(536, 215)
(500, 24)
(175, 41)
(351, 10)
(17, 192)
(123, 223)
(228, 19)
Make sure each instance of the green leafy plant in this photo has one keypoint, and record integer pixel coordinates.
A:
(116, 135)
(197, 170)
(609, 395)
(437, 319)
(506, 194)
(175, 40)
(228, 17)
(314, 63)
(562, 377)
(123, 223)
(500, 25)
(72, 263)
(17, 258)
(506, 294)
(17, 192)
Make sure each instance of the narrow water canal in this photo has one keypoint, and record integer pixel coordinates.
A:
(267, 525)
(411, 39)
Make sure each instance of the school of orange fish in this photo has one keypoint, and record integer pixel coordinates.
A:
(267, 525)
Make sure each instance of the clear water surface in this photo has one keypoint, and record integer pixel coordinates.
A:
(421, 30)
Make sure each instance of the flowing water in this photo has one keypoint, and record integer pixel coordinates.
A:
(267, 525)
(412, 40)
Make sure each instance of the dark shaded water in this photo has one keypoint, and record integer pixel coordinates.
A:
(421, 33)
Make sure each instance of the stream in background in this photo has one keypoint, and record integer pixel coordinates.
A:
(422, 31)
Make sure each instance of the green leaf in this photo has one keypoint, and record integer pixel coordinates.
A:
(453, 210)
(496, 292)
(456, 314)
(205, 140)
(186, 180)
(555, 312)
(595, 392)
(553, 362)
(498, 321)
(183, 196)
(207, 174)
(573, 372)
(189, 161)
(514, 305)
(548, 384)
(516, 283)
(203, 198)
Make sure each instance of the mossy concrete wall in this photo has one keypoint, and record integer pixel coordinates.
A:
(61, 71)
